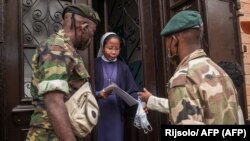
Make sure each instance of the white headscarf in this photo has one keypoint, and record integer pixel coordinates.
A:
(100, 52)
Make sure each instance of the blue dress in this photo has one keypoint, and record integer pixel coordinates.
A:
(111, 121)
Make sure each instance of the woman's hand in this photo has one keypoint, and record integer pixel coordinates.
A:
(104, 94)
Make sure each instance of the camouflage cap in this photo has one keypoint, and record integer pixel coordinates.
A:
(83, 10)
(245, 25)
(182, 21)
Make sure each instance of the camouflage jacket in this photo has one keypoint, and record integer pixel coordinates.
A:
(57, 66)
(200, 92)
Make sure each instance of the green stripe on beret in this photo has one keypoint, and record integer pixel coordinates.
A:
(182, 21)
(84, 11)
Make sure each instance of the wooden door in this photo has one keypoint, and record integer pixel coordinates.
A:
(223, 35)
(1, 69)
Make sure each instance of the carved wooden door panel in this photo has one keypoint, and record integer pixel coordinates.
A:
(38, 19)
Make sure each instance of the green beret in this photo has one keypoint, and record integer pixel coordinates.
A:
(82, 10)
(182, 21)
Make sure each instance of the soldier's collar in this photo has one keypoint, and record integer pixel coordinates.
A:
(61, 33)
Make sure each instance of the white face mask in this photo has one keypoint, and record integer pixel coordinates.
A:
(141, 121)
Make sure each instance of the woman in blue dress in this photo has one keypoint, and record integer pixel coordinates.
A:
(108, 70)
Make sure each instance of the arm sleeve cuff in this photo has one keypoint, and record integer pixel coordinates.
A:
(190, 122)
(53, 85)
(158, 104)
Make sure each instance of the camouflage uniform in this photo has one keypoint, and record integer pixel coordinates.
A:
(201, 92)
(56, 66)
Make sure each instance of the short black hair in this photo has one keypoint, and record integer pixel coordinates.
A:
(234, 70)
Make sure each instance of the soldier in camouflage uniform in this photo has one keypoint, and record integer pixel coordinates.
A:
(200, 92)
(58, 71)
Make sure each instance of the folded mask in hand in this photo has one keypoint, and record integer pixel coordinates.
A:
(141, 121)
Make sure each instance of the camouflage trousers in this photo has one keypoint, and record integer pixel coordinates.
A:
(41, 134)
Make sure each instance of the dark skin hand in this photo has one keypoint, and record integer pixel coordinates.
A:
(144, 95)
(104, 94)
(58, 115)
